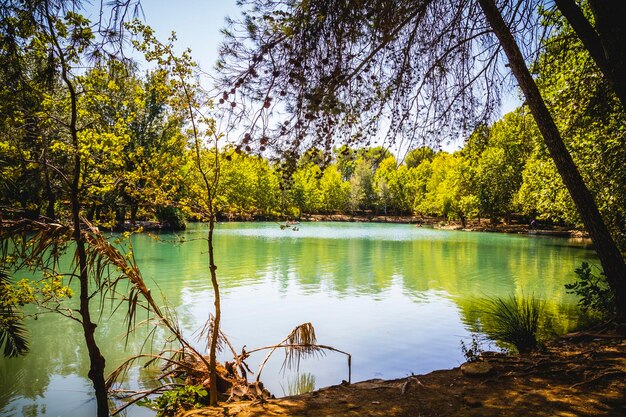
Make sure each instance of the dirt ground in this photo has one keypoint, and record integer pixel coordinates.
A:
(581, 375)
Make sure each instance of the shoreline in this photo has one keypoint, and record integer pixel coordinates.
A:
(440, 223)
(579, 374)
(419, 221)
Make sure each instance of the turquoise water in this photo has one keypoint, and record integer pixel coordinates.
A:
(398, 298)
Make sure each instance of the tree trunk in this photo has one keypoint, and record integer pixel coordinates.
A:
(218, 314)
(91, 212)
(50, 212)
(96, 360)
(605, 42)
(120, 218)
(608, 252)
(134, 207)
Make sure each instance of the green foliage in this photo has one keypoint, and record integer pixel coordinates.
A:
(418, 155)
(593, 291)
(473, 351)
(543, 195)
(305, 189)
(448, 190)
(248, 185)
(514, 322)
(13, 296)
(335, 192)
(171, 402)
(134, 142)
(171, 218)
(593, 124)
(13, 334)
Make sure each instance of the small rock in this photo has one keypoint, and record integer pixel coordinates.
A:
(474, 369)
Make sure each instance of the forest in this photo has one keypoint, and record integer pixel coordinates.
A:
(316, 108)
(139, 164)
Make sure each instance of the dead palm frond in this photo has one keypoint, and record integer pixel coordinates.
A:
(33, 244)
(101, 253)
(299, 344)
(38, 244)
(173, 362)
(207, 331)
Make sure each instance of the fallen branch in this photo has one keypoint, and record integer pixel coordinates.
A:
(599, 376)
(141, 395)
(405, 386)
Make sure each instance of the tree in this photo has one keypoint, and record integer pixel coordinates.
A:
(498, 159)
(334, 190)
(304, 191)
(402, 187)
(248, 186)
(496, 186)
(155, 157)
(57, 31)
(383, 180)
(592, 121)
(542, 194)
(345, 159)
(202, 196)
(608, 252)
(436, 66)
(28, 75)
(420, 178)
(448, 191)
(362, 192)
(415, 157)
(604, 41)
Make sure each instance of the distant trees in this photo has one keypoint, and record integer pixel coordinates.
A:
(419, 71)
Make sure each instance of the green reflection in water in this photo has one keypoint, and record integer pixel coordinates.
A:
(397, 297)
(300, 384)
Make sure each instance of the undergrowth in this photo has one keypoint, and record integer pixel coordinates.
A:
(176, 400)
(593, 291)
(514, 321)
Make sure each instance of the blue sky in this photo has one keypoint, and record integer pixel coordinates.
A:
(197, 24)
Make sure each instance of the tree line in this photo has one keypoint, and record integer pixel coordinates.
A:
(139, 161)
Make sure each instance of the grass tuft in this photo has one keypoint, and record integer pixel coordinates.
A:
(514, 321)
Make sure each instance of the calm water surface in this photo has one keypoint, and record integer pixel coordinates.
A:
(398, 298)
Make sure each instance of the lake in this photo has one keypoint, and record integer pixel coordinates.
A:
(399, 298)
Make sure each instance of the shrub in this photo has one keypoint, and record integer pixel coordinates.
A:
(171, 218)
(186, 397)
(473, 351)
(514, 322)
(593, 291)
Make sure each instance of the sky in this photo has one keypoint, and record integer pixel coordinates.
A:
(197, 24)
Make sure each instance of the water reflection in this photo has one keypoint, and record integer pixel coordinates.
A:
(398, 298)
(300, 384)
